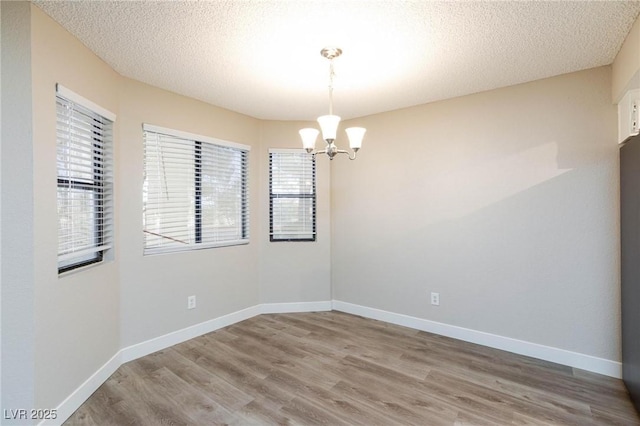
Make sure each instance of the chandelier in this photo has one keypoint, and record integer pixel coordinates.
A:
(329, 123)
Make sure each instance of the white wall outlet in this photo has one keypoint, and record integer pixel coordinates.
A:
(435, 299)
(191, 302)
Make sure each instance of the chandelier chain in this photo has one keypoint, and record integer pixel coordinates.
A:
(331, 75)
(329, 123)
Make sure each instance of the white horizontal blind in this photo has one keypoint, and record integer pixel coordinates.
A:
(292, 195)
(85, 180)
(195, 193)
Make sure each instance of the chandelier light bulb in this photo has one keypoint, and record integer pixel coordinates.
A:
(329, 126)
(309, 136)
(355, 135)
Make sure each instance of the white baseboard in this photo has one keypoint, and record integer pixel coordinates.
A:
(84, 391)
(560, 356)
(162, 342)
(153, 345)
(521, 347)
(284, 308)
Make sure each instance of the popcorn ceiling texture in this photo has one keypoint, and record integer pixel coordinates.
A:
(261, 58)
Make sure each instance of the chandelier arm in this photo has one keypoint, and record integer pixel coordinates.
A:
(342, 151)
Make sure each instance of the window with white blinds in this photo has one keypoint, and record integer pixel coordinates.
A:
(84, 195)
(195, 192)
(292, 195)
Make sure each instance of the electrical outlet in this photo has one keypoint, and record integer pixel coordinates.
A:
(191, 302)
(435, 299)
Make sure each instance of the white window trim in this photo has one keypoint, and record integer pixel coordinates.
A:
(195, 247)
(193, 136)
(81, 100)
(286, 150)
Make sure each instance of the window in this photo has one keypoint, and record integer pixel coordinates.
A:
(195, 192)
(292, 195)
(83, 139)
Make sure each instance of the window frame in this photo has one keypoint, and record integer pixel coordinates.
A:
(313, 196)
(96, 187)
(198, 144)
(100, 185)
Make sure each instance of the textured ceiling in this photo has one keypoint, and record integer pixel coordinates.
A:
(262, 58)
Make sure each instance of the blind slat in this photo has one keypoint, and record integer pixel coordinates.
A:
(84, 197)
(292, 195)
(195, 193)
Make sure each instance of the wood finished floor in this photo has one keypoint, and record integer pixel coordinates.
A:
(334, 368)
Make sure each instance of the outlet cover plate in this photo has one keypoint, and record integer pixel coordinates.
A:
(435, 299)
(191, 302)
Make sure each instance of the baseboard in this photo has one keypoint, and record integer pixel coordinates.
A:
(84, 391)
(162, 342)
(521, 347)
(560, 356)
(153, 345)
(284, 308)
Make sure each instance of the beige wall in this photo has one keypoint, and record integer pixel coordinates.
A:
(626, 66)
(293, 271)
(76, 316)
(504, 202)
(84, 318)
(154, 289)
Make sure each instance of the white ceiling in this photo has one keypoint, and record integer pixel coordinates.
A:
(262, 57)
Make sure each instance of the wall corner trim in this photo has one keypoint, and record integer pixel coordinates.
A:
(521, 347)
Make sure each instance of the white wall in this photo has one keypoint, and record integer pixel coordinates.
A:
(293, 272)
(504, 202)
(1, 404)
(16, 154)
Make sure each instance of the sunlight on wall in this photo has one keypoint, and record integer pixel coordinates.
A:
(479, 184)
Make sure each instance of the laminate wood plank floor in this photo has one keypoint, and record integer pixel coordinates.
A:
(333, 368)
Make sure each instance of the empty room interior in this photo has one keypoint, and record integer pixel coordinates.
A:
(187, 239)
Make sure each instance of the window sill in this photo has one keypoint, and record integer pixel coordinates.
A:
(193, 247)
